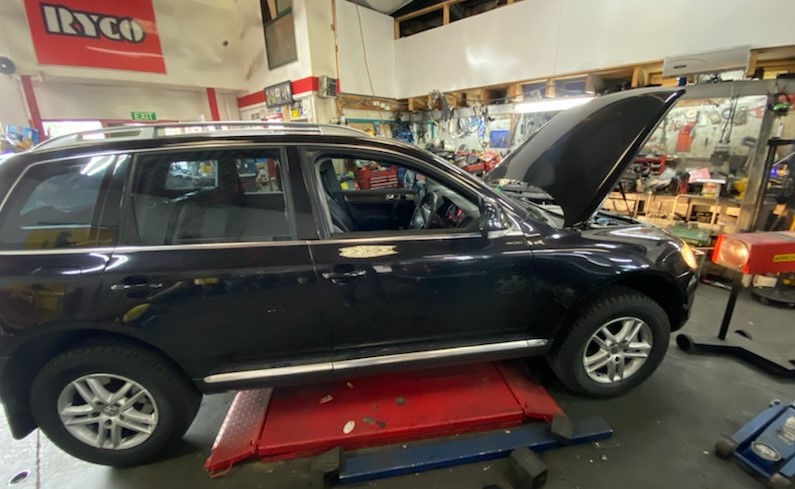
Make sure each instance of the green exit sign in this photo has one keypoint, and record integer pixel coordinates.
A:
(143, 116)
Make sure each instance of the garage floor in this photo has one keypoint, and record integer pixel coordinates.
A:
(664, 430)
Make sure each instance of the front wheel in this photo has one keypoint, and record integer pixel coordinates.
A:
(113, 404)
(617, 341)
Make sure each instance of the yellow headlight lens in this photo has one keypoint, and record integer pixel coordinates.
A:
(689, 256)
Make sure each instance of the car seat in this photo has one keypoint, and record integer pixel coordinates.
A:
(335, 199)
(209, 215)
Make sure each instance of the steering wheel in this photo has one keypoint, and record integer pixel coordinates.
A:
(425, 212)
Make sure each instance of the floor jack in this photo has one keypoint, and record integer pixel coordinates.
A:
(765, 445)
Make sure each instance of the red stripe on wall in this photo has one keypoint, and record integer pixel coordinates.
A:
(308, 84)
(213, 101)
(251, 99)
(33, 106)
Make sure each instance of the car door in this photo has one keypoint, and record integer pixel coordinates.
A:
(210, 268)
(415, 289)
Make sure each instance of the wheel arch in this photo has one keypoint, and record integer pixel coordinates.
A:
(27, 359)
(661, 289)
(657, 286)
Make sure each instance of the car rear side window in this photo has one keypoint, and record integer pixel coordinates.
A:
(208, 197)
(55, 205)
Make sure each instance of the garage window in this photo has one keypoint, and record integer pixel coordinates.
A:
(54, 206)
(208, 197)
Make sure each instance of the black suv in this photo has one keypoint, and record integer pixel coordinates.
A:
(143, 266)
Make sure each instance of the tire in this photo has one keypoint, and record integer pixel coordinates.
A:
(725, 448)
(158, 393)
(611, 309)
(778, 481)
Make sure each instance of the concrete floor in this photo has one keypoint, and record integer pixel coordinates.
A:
(664, 430)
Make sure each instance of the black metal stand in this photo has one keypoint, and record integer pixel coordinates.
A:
(737, 286)
(739, 343)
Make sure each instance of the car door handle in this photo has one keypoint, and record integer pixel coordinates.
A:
(341, 278)
(133, 287)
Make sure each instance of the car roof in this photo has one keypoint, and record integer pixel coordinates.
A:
(164, 133)
(215, 136)
(197, 136)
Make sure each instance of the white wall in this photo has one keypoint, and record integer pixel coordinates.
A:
(87, 100)
(380, 46)
(509, 43)
(320, 18)
(227, 106)
(72, 99)
(252, 41)
(541, 38)
(612, 32)
(191, 33)
(254, 57)
(12, 103)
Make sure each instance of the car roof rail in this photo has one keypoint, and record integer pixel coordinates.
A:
(216, 128)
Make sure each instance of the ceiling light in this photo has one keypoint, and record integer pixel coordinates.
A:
(550, 105)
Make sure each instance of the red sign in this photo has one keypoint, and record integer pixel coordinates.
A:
(116, 34)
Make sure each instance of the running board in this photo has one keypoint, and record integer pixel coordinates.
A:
(526, 346)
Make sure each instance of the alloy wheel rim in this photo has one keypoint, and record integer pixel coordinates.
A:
(107, 411)
(617, 350)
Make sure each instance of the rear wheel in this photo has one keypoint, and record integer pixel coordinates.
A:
(617, 341)
(113, 404)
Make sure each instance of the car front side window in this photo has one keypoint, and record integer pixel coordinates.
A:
(366, 195)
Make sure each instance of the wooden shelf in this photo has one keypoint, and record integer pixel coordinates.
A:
(662, 210)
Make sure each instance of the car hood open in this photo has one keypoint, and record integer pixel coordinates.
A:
(579, 155)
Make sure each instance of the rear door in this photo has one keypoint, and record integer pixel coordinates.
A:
(210, 268)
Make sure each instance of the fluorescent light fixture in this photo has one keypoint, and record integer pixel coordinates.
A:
(550, 105)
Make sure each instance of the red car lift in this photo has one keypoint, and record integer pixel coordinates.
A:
(289, 422)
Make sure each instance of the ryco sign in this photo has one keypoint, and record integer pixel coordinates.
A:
(116, 34)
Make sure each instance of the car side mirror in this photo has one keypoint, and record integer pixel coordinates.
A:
(492, 217)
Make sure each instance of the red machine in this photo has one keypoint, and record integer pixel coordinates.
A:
(756, 252)
(771, 252)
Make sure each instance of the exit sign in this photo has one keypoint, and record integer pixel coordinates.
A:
(143, 116)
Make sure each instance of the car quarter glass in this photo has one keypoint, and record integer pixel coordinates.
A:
(56, 205)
